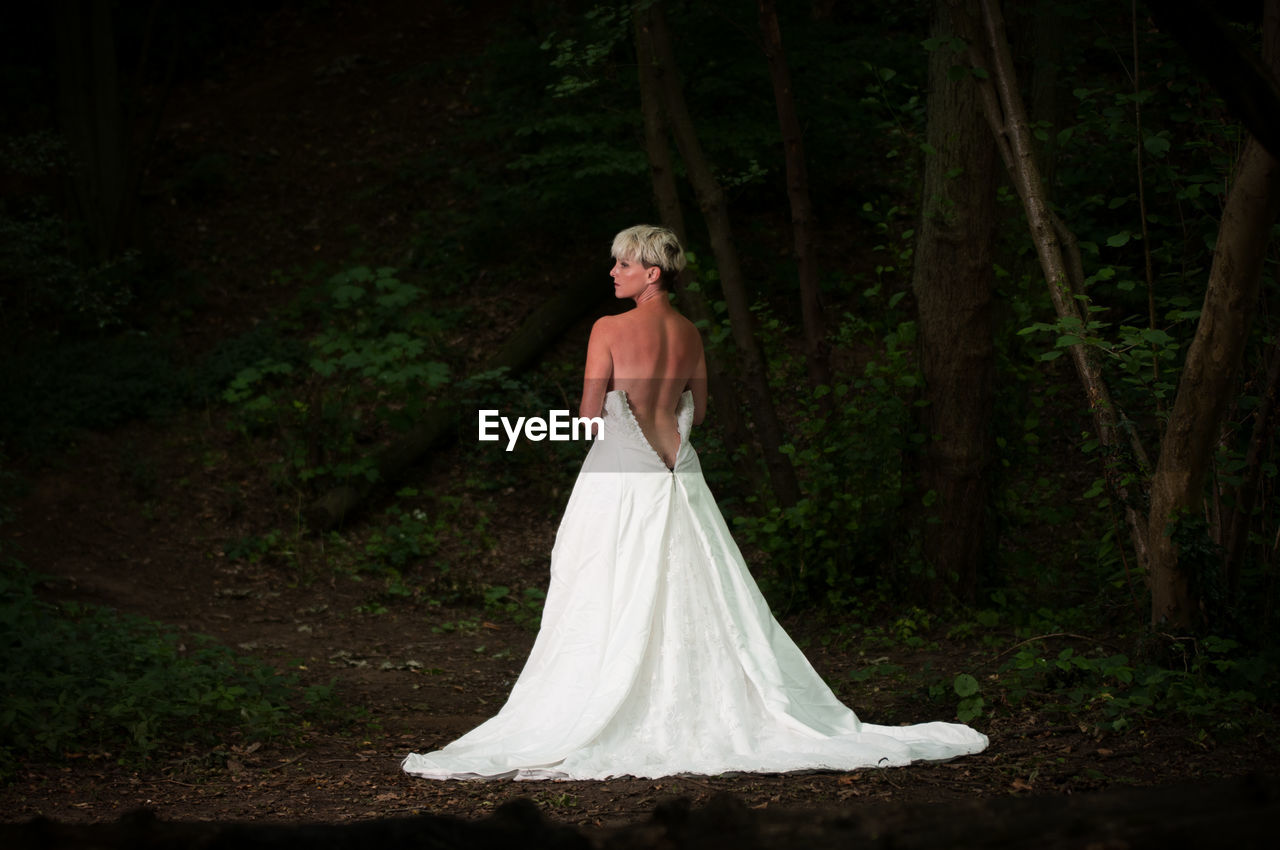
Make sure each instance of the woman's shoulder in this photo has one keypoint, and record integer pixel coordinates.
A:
(687, 328)
(605, 328)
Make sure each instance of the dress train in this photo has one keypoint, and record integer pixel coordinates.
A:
(657, 654)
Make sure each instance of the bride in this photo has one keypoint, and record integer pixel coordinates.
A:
(657, 655)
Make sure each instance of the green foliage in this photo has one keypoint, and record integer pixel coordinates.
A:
(273, 547)
(412, 538)
(49, 392)
(844, 532)
(1139, 329)
(84, 678)
(969, 691)
(1044, 664)
(408, 537)
(373, 367)
(1144, 357)
(46, 281)
(525, 609)
(1216, 687)
(556, 128)
(1145, 267)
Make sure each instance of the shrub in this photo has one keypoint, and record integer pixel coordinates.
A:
(86, 678)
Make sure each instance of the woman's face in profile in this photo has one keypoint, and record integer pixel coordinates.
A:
(630, 277)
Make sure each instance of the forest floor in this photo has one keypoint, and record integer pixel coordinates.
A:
(139, 519)
(421, 674)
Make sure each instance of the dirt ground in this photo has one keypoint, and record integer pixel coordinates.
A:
(280, 110)
(422, 687)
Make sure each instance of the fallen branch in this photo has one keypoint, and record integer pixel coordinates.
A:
(439, 423)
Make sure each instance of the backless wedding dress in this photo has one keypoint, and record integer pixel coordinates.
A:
(657, 654)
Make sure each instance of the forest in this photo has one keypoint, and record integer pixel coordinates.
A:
(990, 294)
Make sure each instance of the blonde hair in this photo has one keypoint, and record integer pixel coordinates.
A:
(652, 246)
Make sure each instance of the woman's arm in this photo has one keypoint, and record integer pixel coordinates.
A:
(698, 384)
(599, 368)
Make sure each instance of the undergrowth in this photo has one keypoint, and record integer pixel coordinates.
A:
(83, 679)
(1037, 667)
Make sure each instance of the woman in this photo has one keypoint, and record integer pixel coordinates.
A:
(657, 654)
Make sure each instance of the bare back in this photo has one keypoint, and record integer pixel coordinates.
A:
(653, 354)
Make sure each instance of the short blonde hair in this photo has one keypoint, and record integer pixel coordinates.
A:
(652, 246)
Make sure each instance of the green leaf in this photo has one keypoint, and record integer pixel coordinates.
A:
(965, 685)
(1121, 238)
(1156, 145)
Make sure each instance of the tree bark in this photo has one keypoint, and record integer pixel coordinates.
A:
(1056, 247)
(1236, 536)
(1208, 376)
(952, 282)
(1046, 56)
(816, 349)
(89, 102)
(662, 175)
(742, 325)
(1213, 358)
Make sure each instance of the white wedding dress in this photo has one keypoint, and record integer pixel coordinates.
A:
(657, 654)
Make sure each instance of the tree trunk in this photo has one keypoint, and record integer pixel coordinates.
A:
(816, 353)
(1046, 56)
(1236, 536)
(662, 174)
(1249, 86)
(440, 422)
(742, 325)
(1056, 248)
(952, 282)
(1213, 358)
(89, 102)
(1208, 377)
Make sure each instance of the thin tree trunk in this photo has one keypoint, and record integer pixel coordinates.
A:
(1208, 377)
(816, 350)
(89, 101)
(1241, 519)
(742, 325)
(952, 282)
(1047, 54)
(1056, 247)
(723, 398)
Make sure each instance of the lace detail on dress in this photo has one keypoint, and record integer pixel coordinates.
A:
(684, 416)
(618, 406)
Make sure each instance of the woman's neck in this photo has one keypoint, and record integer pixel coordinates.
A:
(653, 295)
